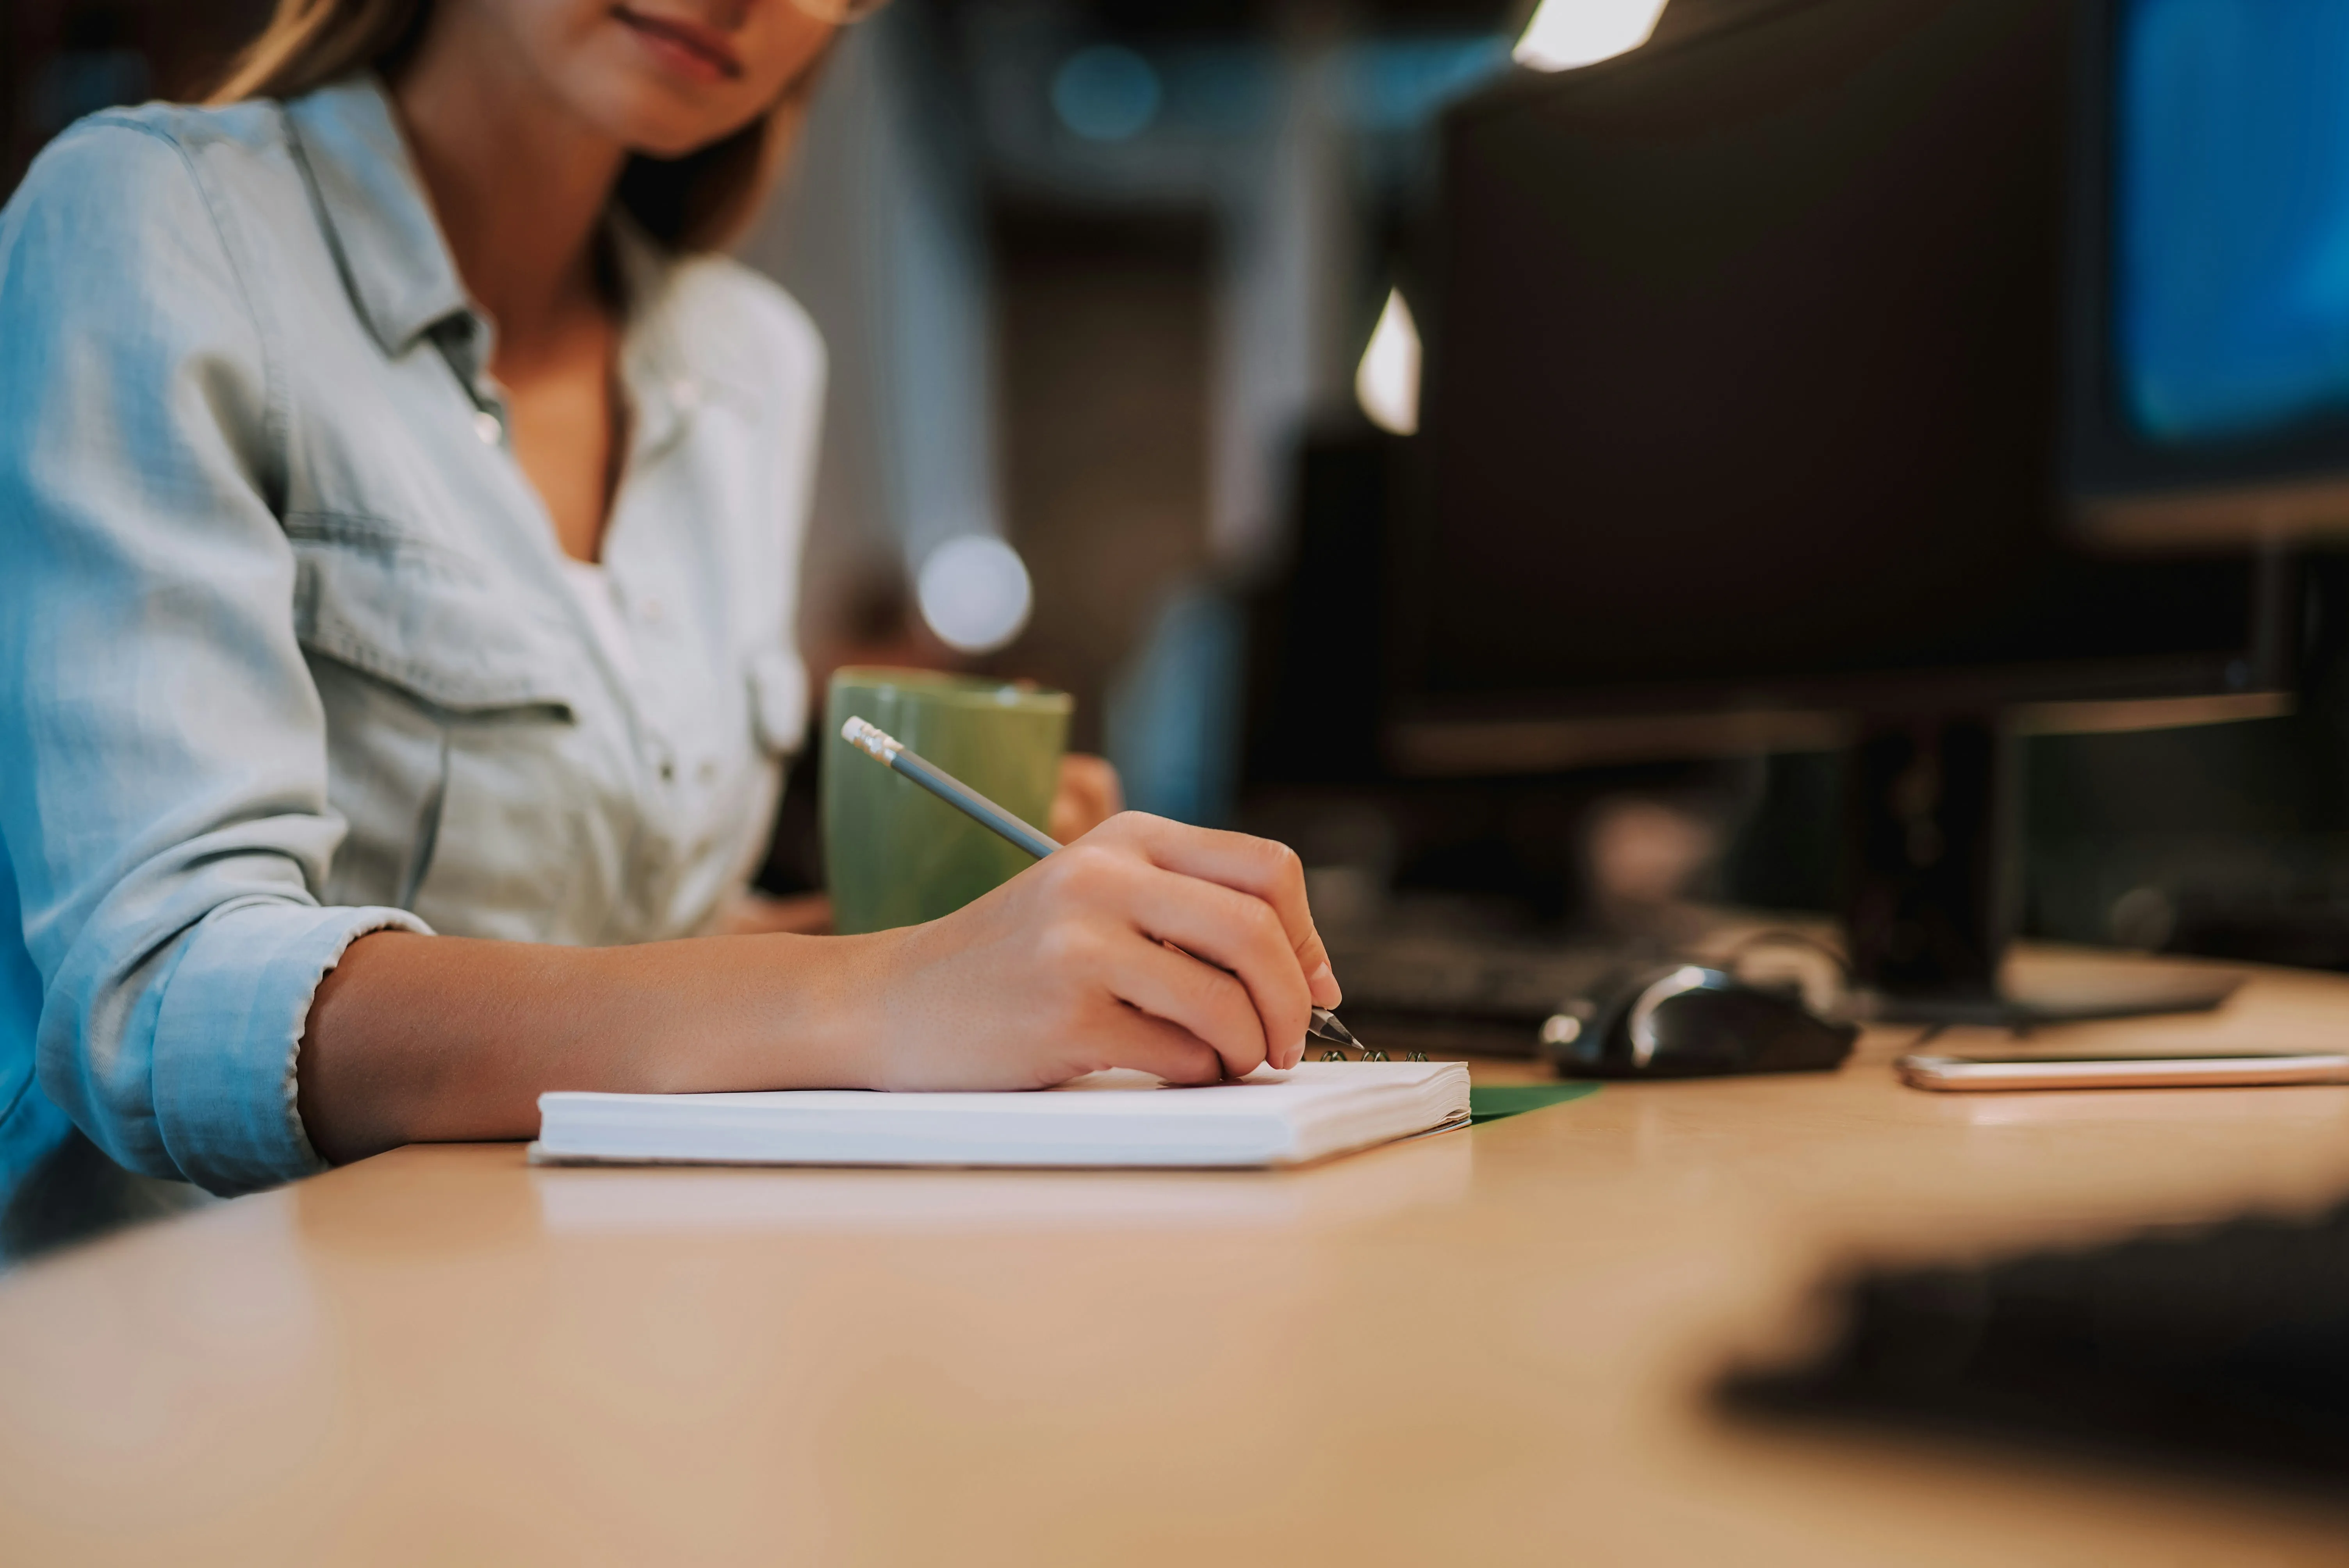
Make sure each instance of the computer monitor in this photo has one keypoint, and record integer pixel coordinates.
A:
(2208, 389)
(1742, 419)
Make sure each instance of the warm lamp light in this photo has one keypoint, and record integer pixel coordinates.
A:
(1566, 34)
(1386, 383)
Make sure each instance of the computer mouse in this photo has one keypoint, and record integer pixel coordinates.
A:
(1691, 1021)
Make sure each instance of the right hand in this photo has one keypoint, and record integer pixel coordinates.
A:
(1066, 969)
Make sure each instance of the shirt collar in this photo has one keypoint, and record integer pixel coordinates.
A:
(375, 211)
(403, 280)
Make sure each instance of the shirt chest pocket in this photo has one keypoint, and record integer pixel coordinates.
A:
(455, 747)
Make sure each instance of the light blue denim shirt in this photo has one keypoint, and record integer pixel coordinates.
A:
(288, 651)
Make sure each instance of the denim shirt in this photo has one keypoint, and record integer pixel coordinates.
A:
(288, 650)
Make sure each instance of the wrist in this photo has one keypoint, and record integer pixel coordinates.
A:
(837, 1036)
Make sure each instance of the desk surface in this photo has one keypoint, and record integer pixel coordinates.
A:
(1490, 1346)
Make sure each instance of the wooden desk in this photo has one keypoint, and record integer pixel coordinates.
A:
(1490, 1347)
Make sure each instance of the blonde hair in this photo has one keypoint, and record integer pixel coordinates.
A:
(695, 202)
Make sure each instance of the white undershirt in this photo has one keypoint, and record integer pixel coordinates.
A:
(593, 585)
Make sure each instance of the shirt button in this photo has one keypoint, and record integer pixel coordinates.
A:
(650, 609)
(668, 772)
(706, 773)
(683, 393)
(487, 425)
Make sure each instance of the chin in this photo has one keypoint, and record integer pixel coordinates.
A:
(653, 118)
(654, 136)
(660, 136)
(669, 147)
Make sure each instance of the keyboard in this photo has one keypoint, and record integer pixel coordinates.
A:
(1447, 994)
(2224, 1350)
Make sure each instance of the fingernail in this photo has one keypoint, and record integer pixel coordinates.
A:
(1321, 977)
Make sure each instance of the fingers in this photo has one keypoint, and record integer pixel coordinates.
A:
(1133, 1038)
(1231, 931)
(1259, 868)
(1252, 966)
(1195, 998)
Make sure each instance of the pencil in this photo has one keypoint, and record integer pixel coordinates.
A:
(890, 752)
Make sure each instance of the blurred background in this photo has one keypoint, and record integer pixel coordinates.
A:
(1120, 303)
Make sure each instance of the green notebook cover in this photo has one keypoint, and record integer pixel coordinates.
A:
(1491, 1102)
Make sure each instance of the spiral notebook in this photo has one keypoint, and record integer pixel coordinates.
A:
(1311, 1111)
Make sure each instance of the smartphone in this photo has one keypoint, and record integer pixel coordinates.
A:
(1971, 1074)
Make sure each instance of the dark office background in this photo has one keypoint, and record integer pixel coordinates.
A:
(1159, 233)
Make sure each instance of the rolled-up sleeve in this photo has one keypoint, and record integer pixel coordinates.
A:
(163, 793)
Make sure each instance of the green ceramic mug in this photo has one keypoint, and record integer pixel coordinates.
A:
(894, 853)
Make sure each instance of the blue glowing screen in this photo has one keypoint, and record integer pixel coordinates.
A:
(2230, 310)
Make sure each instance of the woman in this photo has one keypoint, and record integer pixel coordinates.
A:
(400, 508)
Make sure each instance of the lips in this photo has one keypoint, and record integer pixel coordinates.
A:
(699, 51)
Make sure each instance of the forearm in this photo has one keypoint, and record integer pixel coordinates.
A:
(1147, 945)
(432, 1038)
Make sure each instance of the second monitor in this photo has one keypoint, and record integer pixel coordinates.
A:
(1742, 428)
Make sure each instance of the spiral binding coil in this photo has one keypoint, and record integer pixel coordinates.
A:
(1371, 1053)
